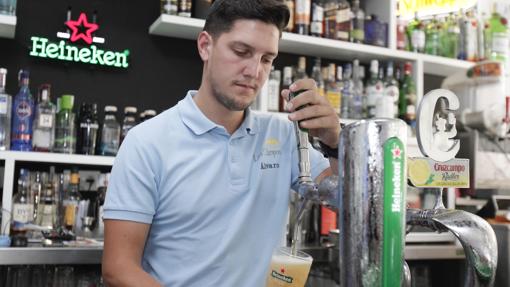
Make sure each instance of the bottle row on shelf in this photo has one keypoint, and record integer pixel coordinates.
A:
(334, 19)
(27, 124)
(467, 35)
(58, 204)
(50, 275)
(384, 93)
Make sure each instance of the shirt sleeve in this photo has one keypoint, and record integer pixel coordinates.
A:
(132, 189)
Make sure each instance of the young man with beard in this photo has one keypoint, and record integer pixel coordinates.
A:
(198, 195)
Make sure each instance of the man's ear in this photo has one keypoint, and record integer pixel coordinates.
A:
(204, 45)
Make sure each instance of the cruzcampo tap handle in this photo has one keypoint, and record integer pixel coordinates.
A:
(293, 95)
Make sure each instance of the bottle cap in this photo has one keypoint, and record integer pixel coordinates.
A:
(151, 113)
(112, 109)
(67, 102)
(130, 109)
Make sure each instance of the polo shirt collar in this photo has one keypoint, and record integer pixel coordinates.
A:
(195, 119)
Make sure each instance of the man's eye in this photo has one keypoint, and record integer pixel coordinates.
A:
(241, 52)
(267, 60)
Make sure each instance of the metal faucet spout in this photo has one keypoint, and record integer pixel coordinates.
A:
(475, 234)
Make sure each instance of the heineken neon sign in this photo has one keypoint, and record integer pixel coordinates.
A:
(91, 54)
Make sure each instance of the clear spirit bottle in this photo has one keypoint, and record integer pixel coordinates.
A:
(358, 23)
(5, 113)
(347, 90)
(374, 89)
(65, 131)
(44, 121)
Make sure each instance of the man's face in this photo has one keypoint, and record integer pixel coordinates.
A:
(240, 61)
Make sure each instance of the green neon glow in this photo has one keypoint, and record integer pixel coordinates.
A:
(42, 48)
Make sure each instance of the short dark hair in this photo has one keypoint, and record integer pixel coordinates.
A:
(223, 14)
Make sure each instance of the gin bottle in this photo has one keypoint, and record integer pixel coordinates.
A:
(44, 121)
(65, 132)
(129, 121)
(87, 130)
(22, 113)
(110, 132)
(358, 23)
(5, 113)
(497, 36)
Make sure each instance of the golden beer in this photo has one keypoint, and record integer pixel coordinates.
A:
(288, 270)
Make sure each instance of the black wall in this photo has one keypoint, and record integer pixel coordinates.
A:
(161, 69)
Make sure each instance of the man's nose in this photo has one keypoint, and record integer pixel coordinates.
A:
(252, 68)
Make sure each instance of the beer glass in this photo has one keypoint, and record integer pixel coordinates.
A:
(287, 269)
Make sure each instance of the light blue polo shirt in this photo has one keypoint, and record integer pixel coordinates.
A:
(217, 203)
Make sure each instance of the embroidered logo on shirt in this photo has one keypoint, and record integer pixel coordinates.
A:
(269, 153)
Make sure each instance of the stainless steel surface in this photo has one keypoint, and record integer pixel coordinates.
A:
(406, 278)
(474, 233)
(50, 255)
(361, 198)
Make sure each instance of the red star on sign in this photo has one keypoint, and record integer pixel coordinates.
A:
(282, 270)
(82, 21)
(396, 152)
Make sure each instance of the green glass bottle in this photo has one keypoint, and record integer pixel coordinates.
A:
(407, 99)
(416, 35)
(432, 37)
(450, 37)
(496, 34)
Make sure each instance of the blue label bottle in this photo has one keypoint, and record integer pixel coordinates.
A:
(22, 115)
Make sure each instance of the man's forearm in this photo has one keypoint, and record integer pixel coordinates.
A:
(128, 276)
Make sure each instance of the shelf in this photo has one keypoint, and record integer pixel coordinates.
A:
(57, 158)
(93, 255)
(434, 252)
(50, 255)
(7, 26)
(189, 28)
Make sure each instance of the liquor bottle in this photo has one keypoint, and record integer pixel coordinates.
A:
(343, 21)
(47, 207)
(471, 37)
(333, 92)
(432, 44)
(450, 37)
(22, 115)
(340, 85)
(375, 31)
(5, 113)
(356, 110)
(290, 25)
(22, 206)
(316, 25)
(65, 132)
(87, 129)
(330, 15)
(358, 23)
(149, 114)
(401, 34)
(44, 121)
(374, 89)
(317, 76)
(391, 95)
(416, 35)
(273, 103)
(301, 69)
(169, 7)
(35, 191)
(407, 100)
(480, 37)
(129, 121)
(71, 201)
(185, 7)
(462, 19)
(102, 183)
(110, 132)
(302, 17)
(286, 82)
(497, 37)
(201, 8)
(347, 92)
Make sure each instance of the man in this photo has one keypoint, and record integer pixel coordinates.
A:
(198, 195)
